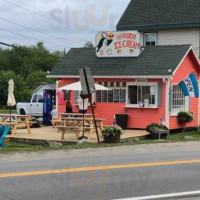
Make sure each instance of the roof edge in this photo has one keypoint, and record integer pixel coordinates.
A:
(160, 26)
(187, 53)
(138, 76)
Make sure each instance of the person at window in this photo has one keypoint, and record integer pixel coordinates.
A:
(83, 108)
(69, 107)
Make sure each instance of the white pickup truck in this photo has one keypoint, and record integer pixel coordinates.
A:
(34, 108)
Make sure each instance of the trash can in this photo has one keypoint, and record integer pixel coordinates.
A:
(121, 120)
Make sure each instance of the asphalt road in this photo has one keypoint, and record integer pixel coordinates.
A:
(100, 174)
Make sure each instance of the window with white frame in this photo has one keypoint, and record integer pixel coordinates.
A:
(78, 97)
(150, 39)
(179, 102)
(144, 95)
(117, 94)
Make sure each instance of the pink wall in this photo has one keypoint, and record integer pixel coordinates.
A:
(137, 117)
(188, 66)
(141, 117)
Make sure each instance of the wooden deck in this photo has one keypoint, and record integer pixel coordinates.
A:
(50, 134)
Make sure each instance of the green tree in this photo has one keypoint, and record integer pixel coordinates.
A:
(88, 44)
(27, 66)
(24, 60)
(21, 91)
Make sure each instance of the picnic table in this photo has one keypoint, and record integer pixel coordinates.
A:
(63, 115)
(76, 124)
(16, 121)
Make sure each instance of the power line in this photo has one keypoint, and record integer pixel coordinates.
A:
(73, 26)
(32, 7)
(33, 38)
(38, 30)
(26, 9)
(22, 48)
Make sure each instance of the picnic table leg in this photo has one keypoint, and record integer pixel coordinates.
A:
(63, 134)
(91, 129)
(14, 129)
(28, 125)
(77, 132)
(101, 126)
(4, 119)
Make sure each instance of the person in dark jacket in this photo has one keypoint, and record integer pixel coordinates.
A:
(69, 107)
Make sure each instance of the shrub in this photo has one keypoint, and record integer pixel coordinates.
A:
(154, 127)
(184, 117)
(111, 131)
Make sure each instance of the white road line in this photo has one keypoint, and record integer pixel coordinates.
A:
(165, 196)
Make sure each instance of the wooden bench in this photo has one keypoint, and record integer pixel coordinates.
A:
(77, 130)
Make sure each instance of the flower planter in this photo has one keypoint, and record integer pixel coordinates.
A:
(185, 117)
(112, 139)
(182, 120)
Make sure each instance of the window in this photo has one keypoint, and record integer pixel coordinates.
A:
(142, 95)
(78, 97)
(34, 100)
(40, 98)
(117, 93)
(150, 39)
(178, 101)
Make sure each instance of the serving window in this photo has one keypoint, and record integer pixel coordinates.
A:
(144, 95)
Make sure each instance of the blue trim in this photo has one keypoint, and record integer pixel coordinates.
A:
(184, 88)
(195, 84)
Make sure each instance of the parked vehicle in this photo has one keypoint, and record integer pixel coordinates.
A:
(34, 108)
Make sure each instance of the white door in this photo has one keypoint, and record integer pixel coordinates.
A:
(33, 107)
(39, 105)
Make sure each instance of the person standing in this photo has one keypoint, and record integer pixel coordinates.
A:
(69, 107)
(54, 113)
(83, 105)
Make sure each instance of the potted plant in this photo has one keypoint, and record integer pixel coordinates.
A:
(112, 134)
(185, 117)
(152, 128)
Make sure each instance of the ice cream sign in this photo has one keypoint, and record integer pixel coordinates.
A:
(118, 44)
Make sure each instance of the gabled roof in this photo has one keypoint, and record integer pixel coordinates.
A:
(153, 61)
(155, 14)
(51, 86)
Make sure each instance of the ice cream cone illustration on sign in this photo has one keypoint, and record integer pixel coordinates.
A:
(105, 41)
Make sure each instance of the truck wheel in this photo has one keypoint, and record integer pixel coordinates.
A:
(22, 112)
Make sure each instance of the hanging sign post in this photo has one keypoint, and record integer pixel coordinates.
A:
(88, 87)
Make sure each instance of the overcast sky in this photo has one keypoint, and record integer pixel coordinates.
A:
(72, 22)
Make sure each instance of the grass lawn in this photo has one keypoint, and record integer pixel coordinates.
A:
(20, 147)
(175, 137)
(7, 111)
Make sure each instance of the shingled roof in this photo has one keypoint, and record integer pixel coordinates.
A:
(154, 14)
(153, 61)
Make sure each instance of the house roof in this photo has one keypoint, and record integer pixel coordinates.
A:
(155, 14)
(153, 61)
(51, 86)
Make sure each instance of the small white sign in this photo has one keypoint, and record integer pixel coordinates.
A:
(141, 80)
(118, 44)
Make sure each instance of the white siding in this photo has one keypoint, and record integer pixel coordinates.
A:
(177, 36)
(180, 36)
(41, 89)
